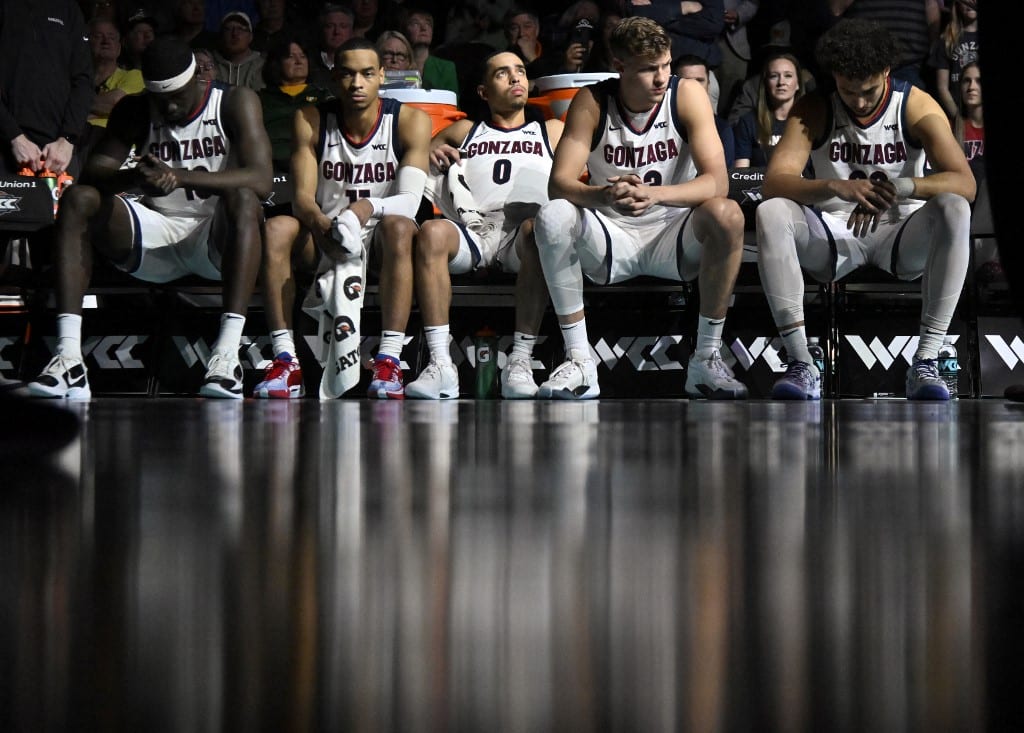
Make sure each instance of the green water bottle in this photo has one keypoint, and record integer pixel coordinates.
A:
(485, 343)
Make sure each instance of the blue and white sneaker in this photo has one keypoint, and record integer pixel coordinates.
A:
(387, 379)
(282, 379)
(924, 382)
(802, 381)
(62, 377)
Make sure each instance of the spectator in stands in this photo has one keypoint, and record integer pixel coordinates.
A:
(488, 224)
(436, 72)
(395, 51)
(956, 47)
(140, 30)
(286, 74)
(111, 81)
(693, 67)
(735, 48)
(348, 221)
(600, 58)
(236, 62)
(477, 21)
(199, 216)
(870, 202)
(206, 67)
(758, 131)
(522, 30)
(661, 216)
(190, 24)
(969, 124)
(273, 26)
(694, 28)
(100, 10)
(334, 27)
(915, 23)
(368, 22)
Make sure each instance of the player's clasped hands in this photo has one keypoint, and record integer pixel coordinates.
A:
(156, 177)
(628, 195)
(873, 198)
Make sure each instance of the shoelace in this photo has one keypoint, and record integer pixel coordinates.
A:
(385, 369)
(800, 371)
(518, 370)
(926, 368)
(563, 371)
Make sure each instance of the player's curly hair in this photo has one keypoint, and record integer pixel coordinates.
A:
(857, 49)
(638, 37)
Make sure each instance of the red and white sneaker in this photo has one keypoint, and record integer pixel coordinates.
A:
(387, 379)
(282, 380)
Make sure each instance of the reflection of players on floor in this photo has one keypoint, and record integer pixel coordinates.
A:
(204, 168)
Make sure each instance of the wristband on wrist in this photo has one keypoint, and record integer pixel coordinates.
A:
(904, 187)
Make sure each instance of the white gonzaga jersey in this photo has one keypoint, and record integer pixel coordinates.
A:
(352, 170)
(657, 151)
(506, 169)
(200, 143)
(880, 148)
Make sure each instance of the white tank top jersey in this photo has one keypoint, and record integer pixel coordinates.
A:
(879, 148)
(503, 166)
(352, 170)
(657, 151)
(200, 143)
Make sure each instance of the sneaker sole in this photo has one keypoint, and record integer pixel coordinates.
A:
(930, 394)
(512, 394)
(383, 394)
(416, 395)
(34, 389)
(792, 392)
(706, 393)
(567, 394)
(292, 393)
(218, 392)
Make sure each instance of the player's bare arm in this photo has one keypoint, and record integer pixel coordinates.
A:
(928, 123)
(554, 127)
(243, 120)
(572, 153)
(444, 148)
(306, 131)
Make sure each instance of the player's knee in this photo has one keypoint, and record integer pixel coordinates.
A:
(556, 221)
(79, 201)
(280, 235)
(432, 242)
(771, 216)
(725, 213)
(243, 203)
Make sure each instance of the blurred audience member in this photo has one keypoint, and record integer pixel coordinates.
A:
(139, 31)
(273, 26)
(956, 47)
(286, 74)
(915, 23)
(735, 48)
(758, 131)
(206, 67)
(437, 73)
(368, 21)
(395, 51)
(694, 67)
(190, 24)
(110, 80)
(333, 28)
(236, 62)
(600, 58)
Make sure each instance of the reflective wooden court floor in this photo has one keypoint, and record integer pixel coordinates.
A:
(191, 565)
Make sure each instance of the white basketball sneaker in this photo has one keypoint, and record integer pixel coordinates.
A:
(435, 382)
(517, 379)
(63, 377)
(712, 378)
(575, 379)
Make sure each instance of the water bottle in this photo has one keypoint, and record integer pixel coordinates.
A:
(486, 346)
(949, 365)
(817, 354)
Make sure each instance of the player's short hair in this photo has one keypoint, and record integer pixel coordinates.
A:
(166, 59)
(485, 63)
(356, 43)
(638, 37)
(857, 48)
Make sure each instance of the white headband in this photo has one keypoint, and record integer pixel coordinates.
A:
(173, 84)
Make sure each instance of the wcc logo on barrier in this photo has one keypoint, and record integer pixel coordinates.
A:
(877, 352)
(108, 352)
(8, 203)
(1010, 353)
